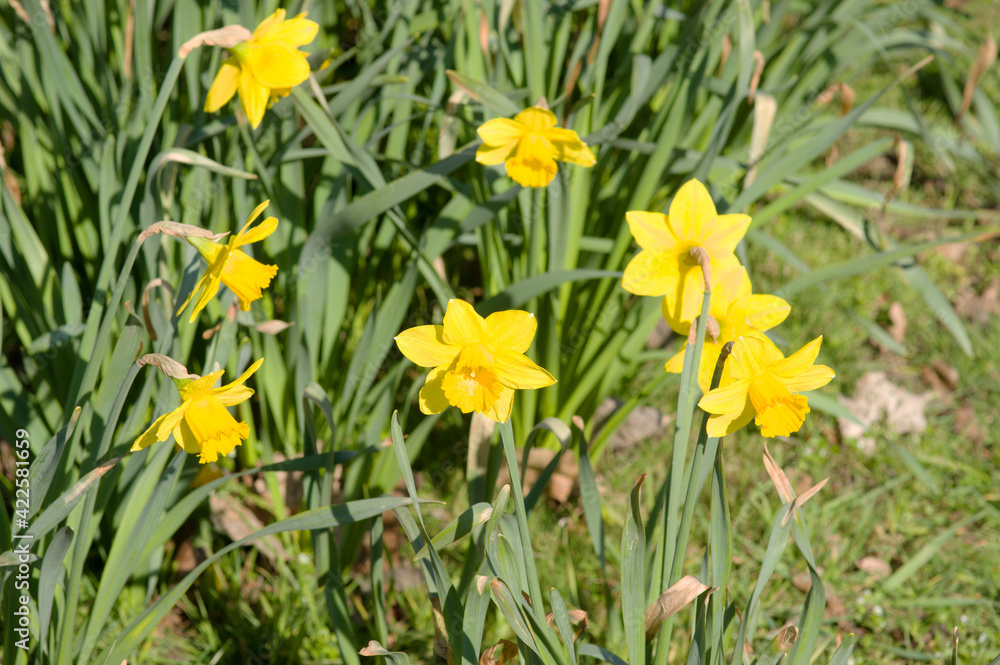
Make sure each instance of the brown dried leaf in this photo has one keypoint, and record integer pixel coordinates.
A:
(499, 653)
(167, 365)
(179, 230)
(672, 601)
(786, 637)
(897, 320)
(442, 647)
(273, 326)
(226, 37)
(778, 477)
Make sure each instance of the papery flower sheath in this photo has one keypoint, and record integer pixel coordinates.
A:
(230, 265)
(265, 67)
(666, 266)
(529, 145)
(737, 312)
(201, 425)
(760, 384)
(477, 363)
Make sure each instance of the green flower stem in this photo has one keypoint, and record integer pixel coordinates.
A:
(664, 571)
(694, 483)
(534, 589)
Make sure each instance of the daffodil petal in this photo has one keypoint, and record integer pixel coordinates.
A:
(224, 86)
(199, 286)
(234, 395)
(500, 131)
(296, 31)
(650, 230)
(710, 352)
(726, 233)
(246, 277)
(235, 392)
(208, 291)
(432, 397)
(569, 147)
(171, 421)
(253, 216)
(676, 363)
(185, 438)
(500, 411)
(651, 273)
(799, 361)
(727, 288)
(278, 65)
(811, 378)
(489, 155)
(692, 212)
(263, 30)
(536, 119)
(682, 301)
(253, 98)
(512, 329)
(752, 354)
(725, 424)
(150, 436)
(757, 312)
(462, 325)
(726, 399)
(425, 346)
(516, 370)
(257, 233)
(194, 389)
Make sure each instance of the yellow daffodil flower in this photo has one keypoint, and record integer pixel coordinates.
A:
(666, 267)
(232, 266)
(529, 146)
(737, 312)
(265, 67)
(477, 363)
(201, 425)
(757, 380)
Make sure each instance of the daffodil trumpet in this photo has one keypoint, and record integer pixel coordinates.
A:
(228, 264)
(201, 425)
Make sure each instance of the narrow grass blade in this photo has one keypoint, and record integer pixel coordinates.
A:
(460, 527)
(634, 577)
(810, 621)
(52, 574)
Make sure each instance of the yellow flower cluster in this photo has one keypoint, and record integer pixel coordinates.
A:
(757, 382)
(478, 363)
(263, 67)
(201, 425)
